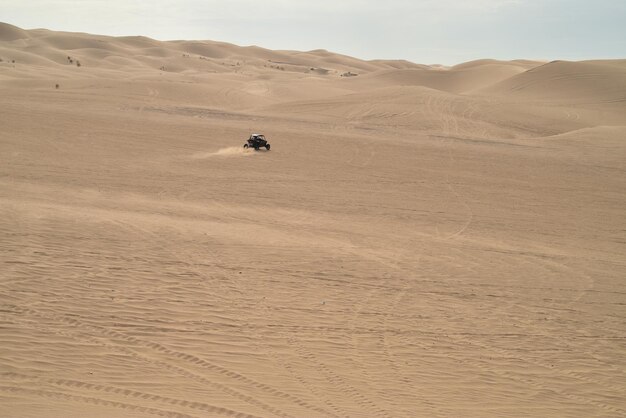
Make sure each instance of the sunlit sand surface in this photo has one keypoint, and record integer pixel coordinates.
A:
(419, 242)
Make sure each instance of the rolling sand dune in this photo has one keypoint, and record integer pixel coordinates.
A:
(462, 78)
(593, 81)
(11, 33)
(421, 241)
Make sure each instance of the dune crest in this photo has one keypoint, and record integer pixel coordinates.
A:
(11, 33)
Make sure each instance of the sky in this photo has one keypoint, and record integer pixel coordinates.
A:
(423, 31)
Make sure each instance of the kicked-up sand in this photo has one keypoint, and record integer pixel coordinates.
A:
(419, 242)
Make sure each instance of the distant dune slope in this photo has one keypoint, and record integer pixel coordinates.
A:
(108, 52)
(482, 97)
(11, 33)
(590, 81)
(587, 81)
(459, 79)
(410, 110)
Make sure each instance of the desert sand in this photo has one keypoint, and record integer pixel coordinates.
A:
(421, 241)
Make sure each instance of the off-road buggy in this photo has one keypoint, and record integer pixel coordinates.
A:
(257, 141)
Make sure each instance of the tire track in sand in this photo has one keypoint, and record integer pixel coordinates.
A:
(166, 363)
(94, 401)
(70, 383)
(279, 360)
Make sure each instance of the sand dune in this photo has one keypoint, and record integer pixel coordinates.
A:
(421, 241)
(568, 81)
(522, 64)
(143, 49)
(462, 78)
(453, 81)
(11, 33)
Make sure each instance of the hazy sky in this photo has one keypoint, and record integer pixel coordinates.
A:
(423, 31)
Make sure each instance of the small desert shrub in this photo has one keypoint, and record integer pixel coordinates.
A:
(77, 63)
(56, 86)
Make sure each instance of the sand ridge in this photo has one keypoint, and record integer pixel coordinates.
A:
(420, 240)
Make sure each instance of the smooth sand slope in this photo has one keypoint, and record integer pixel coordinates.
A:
(419, 242)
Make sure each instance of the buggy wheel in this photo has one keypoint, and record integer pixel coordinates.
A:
(267, 146)
(256, 147)
(245, 146)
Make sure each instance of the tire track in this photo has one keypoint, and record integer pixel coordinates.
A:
(400, 375)
(574, 375)
(409, 285)
(69, 383)
(529, 381)
(94, 401)
(329, 376)
(160, 349)
(281, 361)
(388, 264)
(444, 109)
(504, 311)
(338, 381)
(289, 367)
